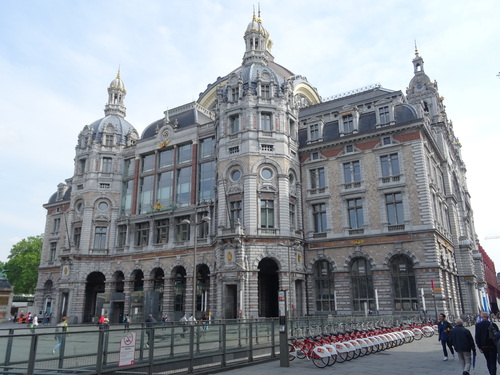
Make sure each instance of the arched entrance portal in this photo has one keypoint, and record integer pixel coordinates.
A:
(268, 288)
(93, 304)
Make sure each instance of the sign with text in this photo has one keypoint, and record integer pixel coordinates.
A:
(127, 350)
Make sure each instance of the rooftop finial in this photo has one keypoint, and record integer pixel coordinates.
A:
(258, 19)
(416, 49)
(254, 13)
(118, 74)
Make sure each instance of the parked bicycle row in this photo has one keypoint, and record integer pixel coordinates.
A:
(325, 346)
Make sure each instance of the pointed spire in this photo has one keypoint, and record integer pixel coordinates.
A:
(416, 49)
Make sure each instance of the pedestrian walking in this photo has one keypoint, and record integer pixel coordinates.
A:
(462, 341)
(126, 322)
(164, 319)
(34, 323)
(485, 333)
(150, 322)
(444, 328)
(183, 321)
(60, 328)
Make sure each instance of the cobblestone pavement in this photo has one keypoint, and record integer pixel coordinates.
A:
(419, 357)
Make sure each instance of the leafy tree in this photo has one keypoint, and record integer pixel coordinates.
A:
(21, 267)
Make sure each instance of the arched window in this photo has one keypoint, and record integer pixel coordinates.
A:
(403, 284)
(324, 286)
(362, 285)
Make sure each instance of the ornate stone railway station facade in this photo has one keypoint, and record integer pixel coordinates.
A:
(350, 204)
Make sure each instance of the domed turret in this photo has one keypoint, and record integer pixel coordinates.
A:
(116, 92)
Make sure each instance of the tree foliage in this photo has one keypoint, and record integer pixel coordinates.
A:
(22, 265)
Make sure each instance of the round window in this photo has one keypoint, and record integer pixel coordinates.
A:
(266, 173)
(79, 206)
(235, 175)
(102, 206)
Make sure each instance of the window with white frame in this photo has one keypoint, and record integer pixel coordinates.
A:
(267, 213)
(394, 206)
(384, 115)
(57, 225)
(355, 213)
(314, 132)
(348, 123)
(142, 234)
(390, 165)
(265, 122)
(107, 165)
(319, 217)
(52, 253)
(352, 172)
(100, 237)
(234, 124)
(317, 178)
(235, 209)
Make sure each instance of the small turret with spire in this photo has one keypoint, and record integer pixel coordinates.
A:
(116, 96)
(257, 42)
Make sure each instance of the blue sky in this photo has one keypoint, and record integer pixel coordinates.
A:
(57, 59)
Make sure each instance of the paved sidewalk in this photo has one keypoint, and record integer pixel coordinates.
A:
(419, 357)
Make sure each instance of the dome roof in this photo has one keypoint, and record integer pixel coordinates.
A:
(112, 124)
(117, 83)
(256, 25)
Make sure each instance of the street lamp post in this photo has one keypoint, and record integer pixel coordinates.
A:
(205, 219)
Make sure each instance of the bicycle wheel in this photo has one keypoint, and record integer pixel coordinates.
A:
(333, 359)
(417, 335)
(318, 361)
(292, 352)
(300, 350)
(341, 357)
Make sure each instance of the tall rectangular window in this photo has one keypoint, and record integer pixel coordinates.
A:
(234, 94)
(164, 188)
(122, 236)
(184, 154)
(348, 122)
(109, 140)
(142, 234)
(148, 163)
(57, 225)
(107, 165)
(127, 190)
(383, 113)
(128, 167)
(82, 163)
(183, 188)
(77, 236)
(267, 213)
(182, 229)
(390, 165)
(352, 172)
(235, 213)
(319, 217)
(206, 182)
(166, 158)
(355, 213)
(161, 231)
(100, 237)
(207, 147)
(145, 194)
(394, 205)
(291, 213)
(317, 178)
(52, 253)
(234, 124)
(265, 91)
(265, 122)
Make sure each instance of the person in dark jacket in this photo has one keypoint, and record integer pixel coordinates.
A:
(444, 328)
(462, 340)
(485, 344)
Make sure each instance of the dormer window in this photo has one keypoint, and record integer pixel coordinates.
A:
(348, 123)
(384, 116)
(314, 132)
(265, 91)
(234, 94)
(108, 140)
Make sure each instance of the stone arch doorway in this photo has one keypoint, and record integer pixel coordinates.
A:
(268, 288)
(94, 286)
